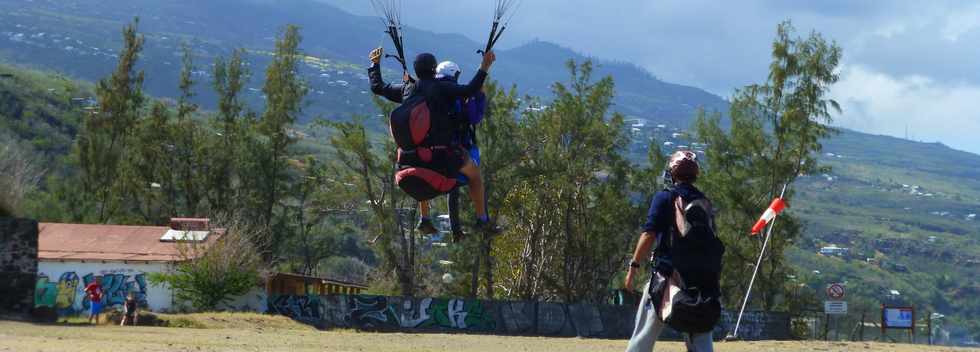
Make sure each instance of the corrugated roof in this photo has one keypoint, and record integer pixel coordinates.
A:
(324, 279)
(105, 242)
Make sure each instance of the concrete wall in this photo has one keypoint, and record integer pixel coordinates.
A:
(380, 313)
(18, 263)
(255, 300)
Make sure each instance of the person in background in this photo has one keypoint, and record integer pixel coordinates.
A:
(94, 293)
(131, 310)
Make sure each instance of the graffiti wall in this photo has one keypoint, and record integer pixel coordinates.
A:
(60, 286)
(380, 313)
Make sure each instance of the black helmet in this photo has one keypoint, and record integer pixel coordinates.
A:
(425, 65)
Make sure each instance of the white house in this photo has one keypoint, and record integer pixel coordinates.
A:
(834, 250)
(72, 255)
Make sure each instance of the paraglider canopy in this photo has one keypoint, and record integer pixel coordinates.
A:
(503, 9)
(391, 17)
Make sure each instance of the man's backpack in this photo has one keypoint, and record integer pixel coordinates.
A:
(690, 299)
(427, 165)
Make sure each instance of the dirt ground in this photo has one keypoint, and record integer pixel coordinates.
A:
(26, 337)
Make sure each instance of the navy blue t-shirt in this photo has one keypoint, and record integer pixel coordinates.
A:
(660, 217)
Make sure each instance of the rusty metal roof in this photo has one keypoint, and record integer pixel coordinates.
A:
(105, 242)
(322, 279)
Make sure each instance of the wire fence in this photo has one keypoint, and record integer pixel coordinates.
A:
(863, 326)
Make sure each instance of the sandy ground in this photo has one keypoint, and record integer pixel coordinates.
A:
(25, 337)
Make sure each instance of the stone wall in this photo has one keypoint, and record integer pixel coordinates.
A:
(18, 264)
(447, 315)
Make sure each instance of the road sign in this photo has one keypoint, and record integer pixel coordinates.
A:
(835, 291)
(835, 307)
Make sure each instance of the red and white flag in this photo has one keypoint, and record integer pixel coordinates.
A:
(775, 208)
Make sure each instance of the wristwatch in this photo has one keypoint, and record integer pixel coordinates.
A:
(634, 264)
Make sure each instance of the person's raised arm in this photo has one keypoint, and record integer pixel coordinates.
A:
(476, 84)
(392, 92)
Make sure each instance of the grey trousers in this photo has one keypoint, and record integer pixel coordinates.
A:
(649, 326)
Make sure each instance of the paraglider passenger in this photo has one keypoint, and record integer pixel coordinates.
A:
(465, 115)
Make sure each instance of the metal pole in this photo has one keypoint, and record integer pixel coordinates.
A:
(861, 335)
(836, 328)
(755, 270)
(826, 327)
(929, 328)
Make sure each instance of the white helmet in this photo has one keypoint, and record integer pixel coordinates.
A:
(447, 69)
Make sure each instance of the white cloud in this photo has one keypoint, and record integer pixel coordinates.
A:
(931, 110)
(961, 22)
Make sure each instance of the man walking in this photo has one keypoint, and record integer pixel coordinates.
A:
(667, 210)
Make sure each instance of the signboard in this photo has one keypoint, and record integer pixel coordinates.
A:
(897, 318)
(835, 291)
(835, 307)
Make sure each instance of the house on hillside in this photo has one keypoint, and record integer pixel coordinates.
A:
(834, 251)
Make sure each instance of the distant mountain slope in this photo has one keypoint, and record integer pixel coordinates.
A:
(79, 37)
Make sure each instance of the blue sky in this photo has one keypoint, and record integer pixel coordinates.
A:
(911, 65)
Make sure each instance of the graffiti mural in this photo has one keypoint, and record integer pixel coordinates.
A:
(115, 287)
(458, 314)
(416, 315)
(67, 297)
(450, 315)
(372, 312)
(45, 292)
(301, 308)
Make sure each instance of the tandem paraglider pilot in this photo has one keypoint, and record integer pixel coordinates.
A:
(683, 291)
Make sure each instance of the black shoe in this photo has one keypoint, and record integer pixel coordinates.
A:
(426, 227)
(488, 227)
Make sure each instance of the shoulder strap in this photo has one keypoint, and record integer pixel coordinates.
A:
(680, 221)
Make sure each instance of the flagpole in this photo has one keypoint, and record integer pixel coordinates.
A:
(755, 271)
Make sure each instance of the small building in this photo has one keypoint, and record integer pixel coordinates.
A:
(70, 256)
(834, 251)
(278, 284)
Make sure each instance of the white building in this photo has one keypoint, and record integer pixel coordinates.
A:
(72, 255)
(834, 250)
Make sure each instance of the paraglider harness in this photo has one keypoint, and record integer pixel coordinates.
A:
(687, 294)
(427, 163)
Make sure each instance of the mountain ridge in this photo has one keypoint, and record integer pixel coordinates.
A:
(329, 33)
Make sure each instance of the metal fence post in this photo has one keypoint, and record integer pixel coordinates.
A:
(861, 334)
(929, 327)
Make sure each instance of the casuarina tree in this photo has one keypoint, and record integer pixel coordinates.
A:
(773, 137)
